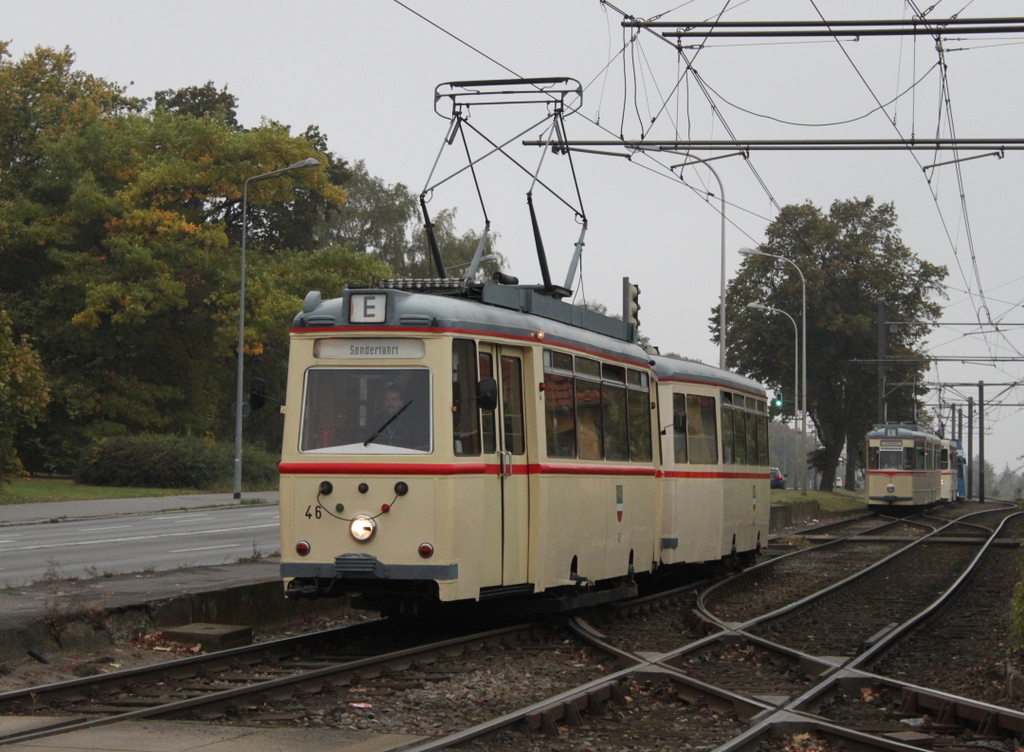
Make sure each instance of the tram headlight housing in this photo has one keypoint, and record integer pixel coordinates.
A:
(890, 488)
(362, 527)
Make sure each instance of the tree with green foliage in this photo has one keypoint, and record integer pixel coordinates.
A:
(120, 226)
(23, 393)
(851, 257)
(200, 102)
(116, 228)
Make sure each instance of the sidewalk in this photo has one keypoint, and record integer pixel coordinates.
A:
(74, 510)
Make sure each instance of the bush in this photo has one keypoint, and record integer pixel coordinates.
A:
(259, 467)
(166, 461)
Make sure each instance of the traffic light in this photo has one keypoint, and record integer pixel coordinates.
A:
(630, 302)
(777, 401)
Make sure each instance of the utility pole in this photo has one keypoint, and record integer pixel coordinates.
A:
(881, 360)
(981, 442)
(970, 448)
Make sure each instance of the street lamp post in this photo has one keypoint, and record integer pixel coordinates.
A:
(803, 360)
(796, 347)
(310, 162)
(721, 294)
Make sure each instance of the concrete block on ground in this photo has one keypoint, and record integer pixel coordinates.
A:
(211, 637)
(784, 515)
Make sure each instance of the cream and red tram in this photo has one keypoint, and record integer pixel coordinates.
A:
(903, 469)
(458, 443)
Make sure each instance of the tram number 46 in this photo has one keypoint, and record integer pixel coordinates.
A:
(312, 512)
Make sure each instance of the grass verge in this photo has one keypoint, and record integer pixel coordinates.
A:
(838, 501)
(33, 490)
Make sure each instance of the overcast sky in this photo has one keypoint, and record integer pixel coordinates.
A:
(365, 73)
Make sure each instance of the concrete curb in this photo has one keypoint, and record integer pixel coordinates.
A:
(785, 515)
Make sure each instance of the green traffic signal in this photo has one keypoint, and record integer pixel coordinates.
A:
(777, 402)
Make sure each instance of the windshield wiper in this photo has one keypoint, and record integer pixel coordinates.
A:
(387, 423)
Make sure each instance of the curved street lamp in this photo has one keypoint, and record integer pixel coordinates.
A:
(801, 481)
(803, 357)
(721, 292)
(305, 163)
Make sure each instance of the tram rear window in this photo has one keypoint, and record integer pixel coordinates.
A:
(366, 411)
(744, 430)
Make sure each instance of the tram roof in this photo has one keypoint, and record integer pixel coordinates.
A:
(677, 369)
(516, 311)
(900, 431)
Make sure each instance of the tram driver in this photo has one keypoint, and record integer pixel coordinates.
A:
(399, 423)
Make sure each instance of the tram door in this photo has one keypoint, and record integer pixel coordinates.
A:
(504, 444)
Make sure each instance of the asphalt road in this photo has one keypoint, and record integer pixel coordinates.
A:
(132, 543)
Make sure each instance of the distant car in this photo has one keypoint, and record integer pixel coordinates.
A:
(778, 480)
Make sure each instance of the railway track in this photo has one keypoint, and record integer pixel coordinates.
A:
(648, 674)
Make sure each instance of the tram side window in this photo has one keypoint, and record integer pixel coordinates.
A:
(639, 405)
(744, 430)
(919, 460)
(679, 437)
(616, 430)
(762, 434)
(596, 410)
(872, 458)
(465, 414)
(559, 404)
(701, 429)
(751, 418)
(908, 458)
(487, 416)
(945, 458)
(728, 432)
(590, 433)
(739, 427)
(512, 404)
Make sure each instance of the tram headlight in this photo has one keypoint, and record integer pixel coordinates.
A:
(362, 527)
(890, 488)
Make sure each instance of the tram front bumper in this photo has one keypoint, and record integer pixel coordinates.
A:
(367, 566)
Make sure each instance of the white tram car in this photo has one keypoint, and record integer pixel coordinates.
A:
(904, 472)
(950, 466)
(445, 442)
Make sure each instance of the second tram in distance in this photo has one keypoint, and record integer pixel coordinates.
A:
(446, 441)
(904, 468)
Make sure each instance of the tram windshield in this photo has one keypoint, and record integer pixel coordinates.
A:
(890, 459)
(366, 411)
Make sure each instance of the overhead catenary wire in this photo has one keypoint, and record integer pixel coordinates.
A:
(680, 89)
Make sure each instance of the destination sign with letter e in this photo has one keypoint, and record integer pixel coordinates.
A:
(367, 309)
